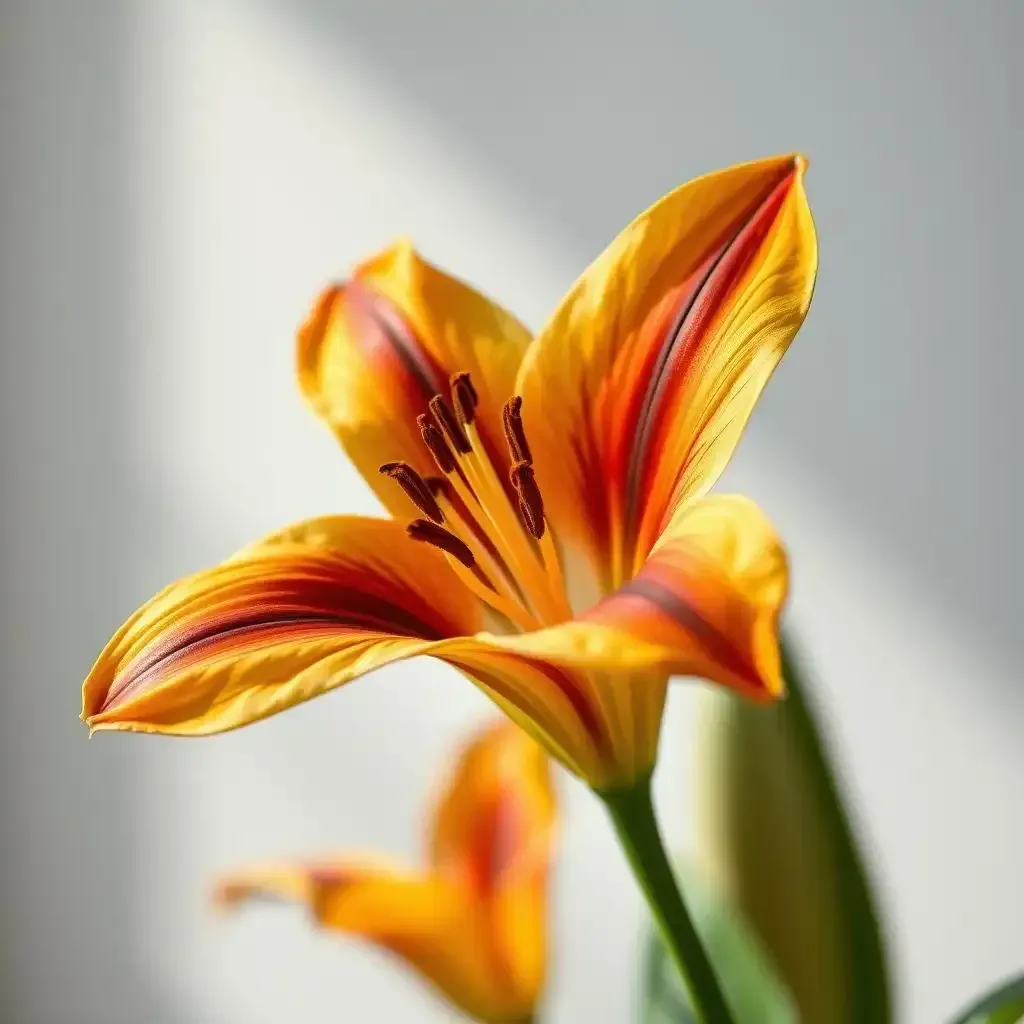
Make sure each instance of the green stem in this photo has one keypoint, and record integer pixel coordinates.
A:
(632, 814)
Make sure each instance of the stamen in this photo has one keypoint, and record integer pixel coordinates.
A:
(460, 520)
(415, 488)
(504, 554)
(464, 398)
(553, 567)
(451, 427)
(514, 541)
(434, 440)
(439, 537)
(531, 505)
(515, 434)
(480, 585)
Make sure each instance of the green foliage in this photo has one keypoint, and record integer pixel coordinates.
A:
(1003, 1006)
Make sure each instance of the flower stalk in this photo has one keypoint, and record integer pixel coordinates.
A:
(632, 814)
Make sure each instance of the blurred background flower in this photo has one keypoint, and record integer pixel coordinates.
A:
(474, 921)
(178, 176)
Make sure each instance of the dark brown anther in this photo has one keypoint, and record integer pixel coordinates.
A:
(534, 526)
(515, 434)
(531, 505)
(415, 487)
(450, 426)
(439, 488)
(464, 398)
(472, 387)
(434, 440)
(439, 537)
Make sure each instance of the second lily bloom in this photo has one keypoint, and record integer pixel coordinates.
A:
(473, 922)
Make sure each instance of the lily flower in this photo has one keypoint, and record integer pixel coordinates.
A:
(552, 536)
(474, 923)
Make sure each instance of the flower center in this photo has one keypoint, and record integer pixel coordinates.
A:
(497, 542)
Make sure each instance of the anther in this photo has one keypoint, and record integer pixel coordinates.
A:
(531, 505)
(434, 440)
(464, 398)
(415, 487)
(452, 429)
(515, 434)
(439, 537)
(439, 488)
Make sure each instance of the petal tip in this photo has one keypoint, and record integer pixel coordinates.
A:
(309, 339)
(771, 680)
(400, 250)
(776, 688)
(90, 711)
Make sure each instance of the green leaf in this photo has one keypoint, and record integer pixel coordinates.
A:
(869, 980)
(752, 985)
(1003, 1006)
(769, 828)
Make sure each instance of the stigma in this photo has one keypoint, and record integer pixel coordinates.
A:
(493, 532)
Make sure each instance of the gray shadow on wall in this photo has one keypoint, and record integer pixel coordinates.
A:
(68, 947)
(897, 399)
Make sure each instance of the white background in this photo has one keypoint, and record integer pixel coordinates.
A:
(177, 179)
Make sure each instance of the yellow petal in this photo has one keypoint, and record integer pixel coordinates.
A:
(636, 392)
(374, 350)
(432, 924)
(306, 610)
(493, 834)
(288, 619)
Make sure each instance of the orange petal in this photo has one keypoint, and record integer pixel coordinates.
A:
(432, 924)
(374, 350)
(493, 834)
(291, 617)
(309, 609)
(706, 603)
(637, 391)
(710, 593)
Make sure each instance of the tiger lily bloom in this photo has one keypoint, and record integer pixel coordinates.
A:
(473, 923)
(552, 537)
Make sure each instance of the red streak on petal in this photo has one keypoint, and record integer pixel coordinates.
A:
(405, 365)
(282, 611)
(701, 298)
(496, 839)
(568, 686)
(234, 642)
(383, 332)
(640, 598)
